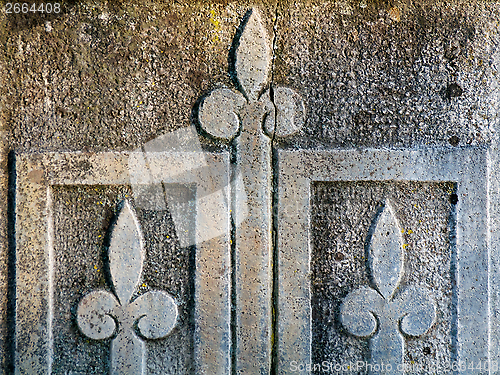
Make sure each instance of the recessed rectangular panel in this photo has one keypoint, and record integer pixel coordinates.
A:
(106, 275)
(366, 237)
(343, 215)
(83, 217)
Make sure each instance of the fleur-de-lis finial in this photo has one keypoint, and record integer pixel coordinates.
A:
(221, 111)
(252, 58)
(383, 314)
(385, 255)
(102, 315)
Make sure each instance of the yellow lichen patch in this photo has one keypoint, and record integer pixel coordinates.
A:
(217, 26)
(410, 231)
(395, 14)
(405, 245)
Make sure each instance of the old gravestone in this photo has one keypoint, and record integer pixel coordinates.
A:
(330, 205)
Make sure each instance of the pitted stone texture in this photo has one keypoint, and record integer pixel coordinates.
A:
(395, 74)
(219, 113)
(251, 119)
(385, 314)
(113, 75)
(57, 211)
(342, 216)
(253, 58)
(385, 253)
(103, 315)
(289, 115)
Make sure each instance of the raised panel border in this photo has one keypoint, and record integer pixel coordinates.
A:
(468, 167)
(37, 173)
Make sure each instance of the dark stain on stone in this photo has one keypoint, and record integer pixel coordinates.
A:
(453, 198)
(454, 90)
(62, 111)
(454, 140)
(427, 350)
(339, 256)
(196, 78)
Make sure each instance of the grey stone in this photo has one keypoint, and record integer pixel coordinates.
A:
(260, 232)
(101, 314)
(386, 313)
(290, 113)
(47, 274)
(378, 75)
(226, 114)
(298, 172)
(253, 57)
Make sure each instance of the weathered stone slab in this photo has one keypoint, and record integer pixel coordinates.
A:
(348, 256)
(119, 76)
(349, 181)
(391, 74)
(70, 256)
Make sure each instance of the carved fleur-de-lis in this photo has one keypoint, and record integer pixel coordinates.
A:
(281, 108)
(103, 315)
(251, 117)
(384, 314)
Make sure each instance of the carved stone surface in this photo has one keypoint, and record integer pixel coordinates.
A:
(387, 312)
(66, 285)
(249, 188)
(103, 315)
(341, 271)
(311, 318)
(250, 118)
(391, 75)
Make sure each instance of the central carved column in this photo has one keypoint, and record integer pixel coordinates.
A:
(248, 120)
(253, 243)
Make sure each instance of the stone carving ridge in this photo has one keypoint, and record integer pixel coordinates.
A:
(102, 315)
(253, 57)
(384, 314)
(385, 256)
